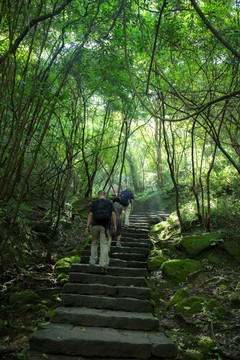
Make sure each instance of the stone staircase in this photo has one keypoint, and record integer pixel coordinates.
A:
(107, 316)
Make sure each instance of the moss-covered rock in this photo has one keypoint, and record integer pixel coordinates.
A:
(177, 296)
(63, 265)
(195, 244)
(233, 248)
(221, 312)
(156, 262)
(190, 306)
(234, 299)
(207, 345)
(192, 355)
(23, 297)
(178, 269)
(238, 286)
(210, 305)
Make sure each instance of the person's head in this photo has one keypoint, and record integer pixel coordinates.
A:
(102, 194)
(128, 188)
(116, 199)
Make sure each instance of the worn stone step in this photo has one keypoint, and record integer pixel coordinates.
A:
(66, 339)
(107, 290)
(120, 262)
(129, 243)
(135, 235)
(128, 256)
(104, 302)
(124, 248)
(119, 254)
(106, 318)
(90, 278)
(36, 356)
(113, 271)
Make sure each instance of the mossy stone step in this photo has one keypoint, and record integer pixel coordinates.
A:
(123, 249)
(120, 262)
(104, 302)
(113, 271)
(101, 342)
(143, 293)
(106, 318)
(89, 278)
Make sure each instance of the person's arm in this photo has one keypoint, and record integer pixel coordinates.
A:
(122, 216)
(132, 202)
(114, 219)
(89, 220)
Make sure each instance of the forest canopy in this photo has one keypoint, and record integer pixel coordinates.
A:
(102, 93)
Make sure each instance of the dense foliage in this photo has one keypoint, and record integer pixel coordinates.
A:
(96, 94)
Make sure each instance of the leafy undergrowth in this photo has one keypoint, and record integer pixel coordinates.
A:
(198, 314)
(31, 287)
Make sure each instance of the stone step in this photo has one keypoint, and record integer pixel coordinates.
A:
(105, 302)
(128, 256)
(131, 243)
(107, 290)
(106, 318)
(36, 356)
(66, 339)
(135, 235)
(89, 278)
(127, 240)
(120, 262)
(112, 271)
(122, 255)
(122, 249)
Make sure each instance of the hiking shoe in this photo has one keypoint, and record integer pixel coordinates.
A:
(103, 270)
(118, 245)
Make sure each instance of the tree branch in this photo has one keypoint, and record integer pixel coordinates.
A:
(214, 31)
(32, 23)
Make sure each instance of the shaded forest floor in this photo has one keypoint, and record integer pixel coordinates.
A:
(36, 273)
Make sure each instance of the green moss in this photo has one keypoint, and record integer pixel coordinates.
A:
(195, 244)
(23, 297)
(238, 286)
(234, 299)
(190, 306)
(192, 355)
(63, 265)
(156, 262)
(179, 295)
(221, 312)
(207, 345)
(212, 259)
(233, 248)
(178, 270)
(157, 228)
(211, 304)
(50, 315)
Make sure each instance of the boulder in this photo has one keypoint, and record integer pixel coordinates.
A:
(190, 306)
(232, 247)
(195, 244)
(177, 296)
(23, 297)
(178, 270)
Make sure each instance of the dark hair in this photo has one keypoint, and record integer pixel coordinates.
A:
(116, 199)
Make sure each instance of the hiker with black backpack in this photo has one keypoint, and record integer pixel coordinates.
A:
(100, 215)
(120, 215)
(127, 201)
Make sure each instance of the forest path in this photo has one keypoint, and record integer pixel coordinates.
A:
(108, 316)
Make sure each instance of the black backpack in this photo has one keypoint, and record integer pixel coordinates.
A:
(102, 213)
(125, 198)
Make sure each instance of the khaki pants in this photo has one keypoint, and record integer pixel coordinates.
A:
(99, 235)
(127, 210)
